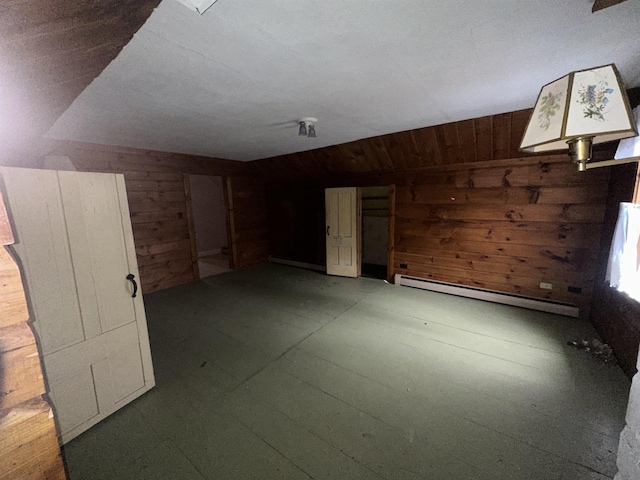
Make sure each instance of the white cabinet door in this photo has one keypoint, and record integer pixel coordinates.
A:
(343, 232)
(75, 243)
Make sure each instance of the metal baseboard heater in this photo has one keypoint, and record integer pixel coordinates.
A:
(487, 295)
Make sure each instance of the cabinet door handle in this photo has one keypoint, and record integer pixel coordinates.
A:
(328, 226)
(131, 277)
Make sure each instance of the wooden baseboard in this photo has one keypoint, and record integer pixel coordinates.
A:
(293, 263)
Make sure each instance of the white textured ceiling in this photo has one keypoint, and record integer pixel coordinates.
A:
(232, 82)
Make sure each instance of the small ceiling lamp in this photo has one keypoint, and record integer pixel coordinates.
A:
(199, 6)
(578, 110)
(307, 127)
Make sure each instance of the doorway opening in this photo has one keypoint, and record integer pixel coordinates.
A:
(375, 231)
(208, 224)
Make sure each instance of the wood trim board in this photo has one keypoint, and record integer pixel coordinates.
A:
(191, 226)
(392, 233)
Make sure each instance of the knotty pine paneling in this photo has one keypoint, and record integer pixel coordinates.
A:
(504, 228)
(470, 208)
(503, 225)
(158, 207)
(495, 137)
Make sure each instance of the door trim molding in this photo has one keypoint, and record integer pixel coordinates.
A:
(192, 228)
(391, 234)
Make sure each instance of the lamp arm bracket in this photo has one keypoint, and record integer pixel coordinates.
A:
(609, 163)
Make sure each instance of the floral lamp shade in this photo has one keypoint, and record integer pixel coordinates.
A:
(630, 147)
(588, 104)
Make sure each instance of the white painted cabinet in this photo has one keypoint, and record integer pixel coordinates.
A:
(75, 245)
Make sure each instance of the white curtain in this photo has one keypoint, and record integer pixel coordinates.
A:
(622, 271)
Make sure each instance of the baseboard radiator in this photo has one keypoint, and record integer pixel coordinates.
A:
(488, 295)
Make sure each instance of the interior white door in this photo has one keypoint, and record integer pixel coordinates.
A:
(75, 243)
(343, 232)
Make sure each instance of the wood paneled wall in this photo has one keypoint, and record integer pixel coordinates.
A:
(493, 137)
(297, 223)
(247, 221)
(615, 315)
(470, 208)
(29, 446)
(504, 227)
(156, 192)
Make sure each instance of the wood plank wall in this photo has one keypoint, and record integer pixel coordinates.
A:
(504, 228)
(470, 209)
(247, 221)
(493, 137)
(156, 192)
(615, 315)
(29, 446)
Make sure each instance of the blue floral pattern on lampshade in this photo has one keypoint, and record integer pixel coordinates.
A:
(593, 99)
(590, 104)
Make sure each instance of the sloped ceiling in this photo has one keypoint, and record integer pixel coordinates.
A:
(232, 82)
(49, 52)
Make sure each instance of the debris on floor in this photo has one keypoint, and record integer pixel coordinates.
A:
(595, 348)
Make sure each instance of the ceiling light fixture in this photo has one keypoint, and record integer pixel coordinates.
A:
(579, 110)
(307, 127)
(198, 6)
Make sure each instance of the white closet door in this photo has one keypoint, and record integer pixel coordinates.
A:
(76, 247)
(342, 220)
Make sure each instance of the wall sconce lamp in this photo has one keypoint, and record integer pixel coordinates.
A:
(579, 110)
(307, 127)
